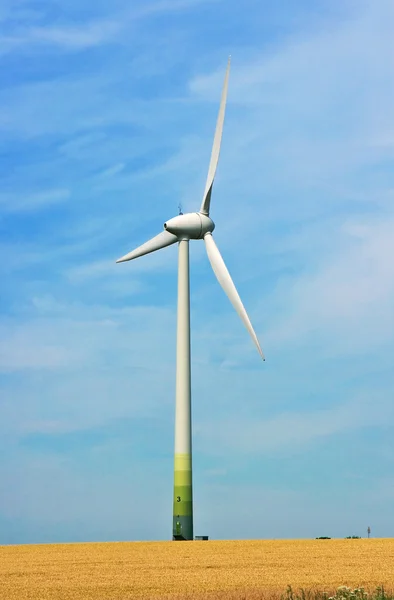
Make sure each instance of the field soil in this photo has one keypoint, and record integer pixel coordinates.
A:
(192, 570)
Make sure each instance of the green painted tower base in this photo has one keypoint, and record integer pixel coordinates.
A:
(182, 525)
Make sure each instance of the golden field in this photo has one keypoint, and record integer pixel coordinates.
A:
(201, 569)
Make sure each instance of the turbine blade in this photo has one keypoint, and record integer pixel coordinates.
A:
(224, 278)
(216, 146)
(160, 241)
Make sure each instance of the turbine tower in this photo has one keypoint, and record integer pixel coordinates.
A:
(181, 229)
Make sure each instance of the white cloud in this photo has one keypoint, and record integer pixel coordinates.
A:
(65, 37)
(114, 170)
(19, 203)
(66, 335)
(292, 431)
(14, 356)
(90, 34)
(347, 299)
(74, 37)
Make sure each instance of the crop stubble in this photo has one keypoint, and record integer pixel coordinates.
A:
(213, 569)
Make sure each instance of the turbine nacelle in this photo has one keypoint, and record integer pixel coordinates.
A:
(191, 226)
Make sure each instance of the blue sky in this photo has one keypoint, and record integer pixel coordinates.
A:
(107, 114)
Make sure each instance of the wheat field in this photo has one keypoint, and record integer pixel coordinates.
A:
(200, 569)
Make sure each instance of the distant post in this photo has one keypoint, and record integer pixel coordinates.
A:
(369, 531)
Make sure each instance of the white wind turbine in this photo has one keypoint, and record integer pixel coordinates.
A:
(181, 229)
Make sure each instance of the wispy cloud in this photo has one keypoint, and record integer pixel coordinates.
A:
(66, 37)
(19, 203)
(69, 36)
(111, 171)
(294, 430)
(347, 297)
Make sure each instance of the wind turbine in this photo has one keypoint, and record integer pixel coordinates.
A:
(181, 229)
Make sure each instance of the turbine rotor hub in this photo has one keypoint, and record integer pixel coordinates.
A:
(191, 226)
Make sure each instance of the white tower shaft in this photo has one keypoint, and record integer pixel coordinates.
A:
(183, 493)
